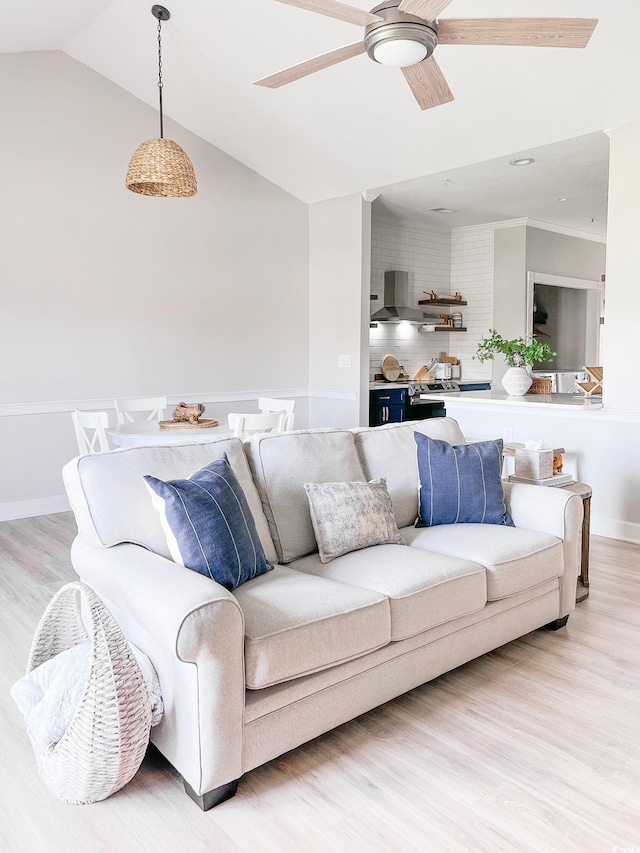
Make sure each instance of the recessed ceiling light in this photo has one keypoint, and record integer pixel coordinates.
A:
(523, 161)
(563, 199)
(443, 210)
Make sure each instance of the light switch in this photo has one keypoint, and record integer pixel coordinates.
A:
(344, 361)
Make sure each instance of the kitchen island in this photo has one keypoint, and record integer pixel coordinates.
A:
(600, 444)
(528, 403)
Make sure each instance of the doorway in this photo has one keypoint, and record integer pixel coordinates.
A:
(566, 313)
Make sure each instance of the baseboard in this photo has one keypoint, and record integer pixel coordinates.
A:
(37, 506)
(613, 528)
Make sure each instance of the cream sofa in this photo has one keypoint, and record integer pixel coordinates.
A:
(291, 654)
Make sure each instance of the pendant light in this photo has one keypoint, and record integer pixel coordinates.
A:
(159, 167)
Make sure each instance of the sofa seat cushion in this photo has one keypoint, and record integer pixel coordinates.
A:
(515, 559)
(424, 589)
(296, 624)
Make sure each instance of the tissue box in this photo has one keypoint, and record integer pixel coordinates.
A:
(534, 464)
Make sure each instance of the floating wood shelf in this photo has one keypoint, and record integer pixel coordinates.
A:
(442, 302)
(447, 328)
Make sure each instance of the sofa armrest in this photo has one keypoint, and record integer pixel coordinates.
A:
(556, 511)
(192, 629)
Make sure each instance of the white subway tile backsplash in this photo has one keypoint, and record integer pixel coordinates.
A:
(443, 263)
(472, 275)
(427, 259)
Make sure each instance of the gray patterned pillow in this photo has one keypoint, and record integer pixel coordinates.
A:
(350, 516)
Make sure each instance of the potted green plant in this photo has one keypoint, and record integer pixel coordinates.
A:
(520, 355)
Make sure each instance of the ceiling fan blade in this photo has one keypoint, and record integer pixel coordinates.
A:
(333, 9)
(519, 32)
(428, 10)
(325, 60)
(427, 83)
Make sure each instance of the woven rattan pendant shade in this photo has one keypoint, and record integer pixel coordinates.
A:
(159, 167)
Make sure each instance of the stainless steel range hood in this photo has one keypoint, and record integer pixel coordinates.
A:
(396, 302)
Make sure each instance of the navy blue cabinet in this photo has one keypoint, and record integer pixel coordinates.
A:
(387, 406)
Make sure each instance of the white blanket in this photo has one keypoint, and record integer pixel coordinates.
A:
(49, 695)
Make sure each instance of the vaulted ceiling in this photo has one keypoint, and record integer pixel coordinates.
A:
(355, 126)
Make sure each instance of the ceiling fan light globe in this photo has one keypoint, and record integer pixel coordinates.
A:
(400, 43)
(399, 53)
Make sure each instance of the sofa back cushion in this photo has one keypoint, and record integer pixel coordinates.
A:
(281, 463)
(390, 451)
(112, 504)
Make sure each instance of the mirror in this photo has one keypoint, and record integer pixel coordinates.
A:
(566, 314)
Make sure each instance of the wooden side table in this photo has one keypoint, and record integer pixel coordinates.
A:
(585, 493)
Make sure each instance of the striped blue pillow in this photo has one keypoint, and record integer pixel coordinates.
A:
(460, 484)
(209, 526)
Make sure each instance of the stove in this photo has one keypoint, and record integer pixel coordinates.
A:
(443, 386)
(440, 386)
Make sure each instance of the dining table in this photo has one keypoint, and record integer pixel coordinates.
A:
(147, 433)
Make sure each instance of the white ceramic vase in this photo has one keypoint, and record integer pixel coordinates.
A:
(516, 381)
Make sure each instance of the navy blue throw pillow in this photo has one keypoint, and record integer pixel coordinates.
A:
(461, 483)
(209, 526)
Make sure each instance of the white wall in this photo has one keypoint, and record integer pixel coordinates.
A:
(106, 293)
(509, 295)
(339, 248)
(622, 311)
(564, 254)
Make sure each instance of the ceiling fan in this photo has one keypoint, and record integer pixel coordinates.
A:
(405, 33)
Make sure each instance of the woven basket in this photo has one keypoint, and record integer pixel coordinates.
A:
(540, 386)
(106, 741)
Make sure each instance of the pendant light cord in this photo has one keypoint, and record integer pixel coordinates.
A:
(160, 76)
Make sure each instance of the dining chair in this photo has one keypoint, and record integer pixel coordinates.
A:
(90, 431)
(271, 404)
(245, 425)
(154, 406)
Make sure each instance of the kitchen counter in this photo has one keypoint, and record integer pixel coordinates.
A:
(378, 384)
(529, 402)
(375, 386)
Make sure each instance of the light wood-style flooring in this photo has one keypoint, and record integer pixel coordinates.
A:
(534, 747)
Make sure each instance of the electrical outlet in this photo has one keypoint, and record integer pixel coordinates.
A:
(344, 361)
